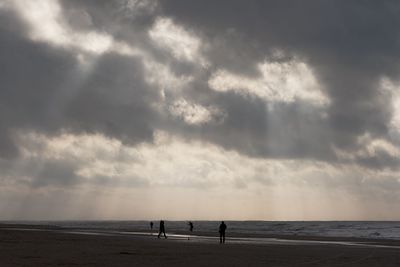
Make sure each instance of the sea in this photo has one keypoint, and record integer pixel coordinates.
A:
(345, 229)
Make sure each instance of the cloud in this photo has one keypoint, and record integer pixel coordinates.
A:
(195, 114)
(308, 95)
(391, 88)
(69, 159)
(373, 153)
(160, 75)
(172, 94)
(343, 59)
(182, 44)
(48, 25)
(283, 82)
(172, 168)
(134, 8)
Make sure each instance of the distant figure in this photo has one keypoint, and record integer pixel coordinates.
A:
(162, 229)
(190, 226)
(222, 228)
(151, 226)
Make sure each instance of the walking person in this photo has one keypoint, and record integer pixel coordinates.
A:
(162, 229)
(222, 228)
(190, 226)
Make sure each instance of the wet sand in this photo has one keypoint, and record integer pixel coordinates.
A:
(53, 247)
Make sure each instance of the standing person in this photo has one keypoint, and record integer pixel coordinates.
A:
(151, 226)
(222, 228)
(162, 229)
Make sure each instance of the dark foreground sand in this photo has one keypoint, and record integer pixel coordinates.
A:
(54, 248)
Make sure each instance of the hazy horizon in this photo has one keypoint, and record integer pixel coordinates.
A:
(204, 110)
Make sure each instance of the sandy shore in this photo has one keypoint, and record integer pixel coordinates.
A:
(40, 247)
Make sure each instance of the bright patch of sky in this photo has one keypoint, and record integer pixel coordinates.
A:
(48, 25)
(283, 82)
(181, 43)
(194, 114)
(172, 169)
(393, 89)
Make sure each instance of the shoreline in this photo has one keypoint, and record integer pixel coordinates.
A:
(208, 237)
(21, 246)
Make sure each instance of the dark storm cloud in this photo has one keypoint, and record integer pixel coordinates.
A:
(43, 89)
(30, 74)
(273, 130)
(349, 45)
(115, 100)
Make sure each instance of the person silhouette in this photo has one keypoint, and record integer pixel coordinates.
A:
(162, 229)
(190, 228)
(222, 228)
(151, 225)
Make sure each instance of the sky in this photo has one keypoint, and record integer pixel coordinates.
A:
(199, 110)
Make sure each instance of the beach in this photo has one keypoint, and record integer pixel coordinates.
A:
(22, 245)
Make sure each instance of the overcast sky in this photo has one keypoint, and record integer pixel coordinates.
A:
(177, 109)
